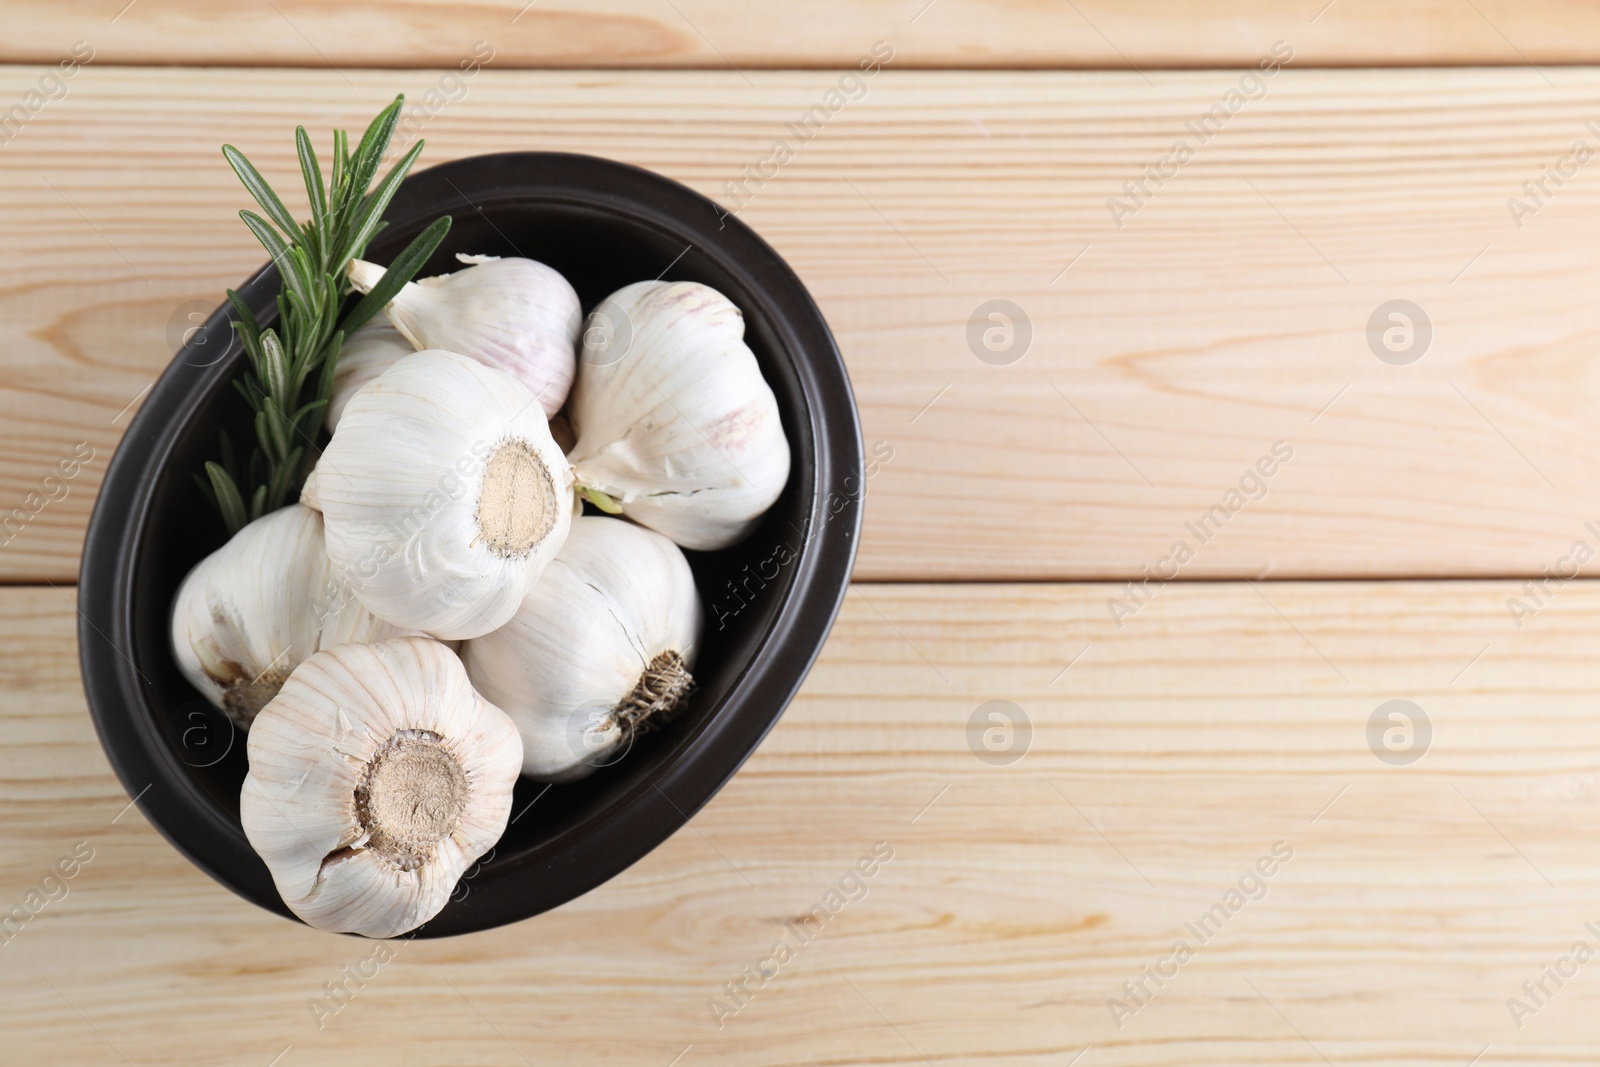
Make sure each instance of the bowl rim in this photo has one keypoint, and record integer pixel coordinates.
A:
(641, 818)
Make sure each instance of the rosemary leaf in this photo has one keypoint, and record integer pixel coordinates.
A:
(328, 362)
(341, 165)
(365, 225)
(269, 443)
(204, 485)
(312, 173)
(401, 270)
(259, 189)
(276, 248)
(247, 316)
(369, 153)
(227, 498)
(308, 414)
(274, 366)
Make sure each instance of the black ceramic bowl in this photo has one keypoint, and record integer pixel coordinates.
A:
(770, 600)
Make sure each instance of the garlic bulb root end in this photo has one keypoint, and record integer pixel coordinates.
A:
(411, 797)
(518, 503)
(243, 697)
(663, 689)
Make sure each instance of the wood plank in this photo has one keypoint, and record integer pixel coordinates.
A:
(1228, 313)
(1172, 756)
(719, 34)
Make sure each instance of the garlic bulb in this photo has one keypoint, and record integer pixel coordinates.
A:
(600, 649)
(377, 777)
(514, 314)
(364, 355)
(675, 425)
(444, 495)
(254, 609)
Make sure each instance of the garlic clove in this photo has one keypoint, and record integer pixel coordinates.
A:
(444, 495)
(675, 425)
(364, 355)
(377, 777)
(513, 314)
(253, 610)
(599, 650)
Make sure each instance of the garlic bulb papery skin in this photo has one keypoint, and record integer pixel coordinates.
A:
(514, 314)
(444, 495)
(308, 492)
(377, 777)
(254, 609)
(365, 354)
(600, 649)
(673, 420)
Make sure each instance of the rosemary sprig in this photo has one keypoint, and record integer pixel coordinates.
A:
(291, 365)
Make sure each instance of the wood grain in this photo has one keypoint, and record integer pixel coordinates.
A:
(720, 34)
(1173, 754)
(1229, 312)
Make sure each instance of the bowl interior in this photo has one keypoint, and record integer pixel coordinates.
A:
(599, 247)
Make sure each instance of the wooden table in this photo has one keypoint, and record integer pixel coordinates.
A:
(1200, 352)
